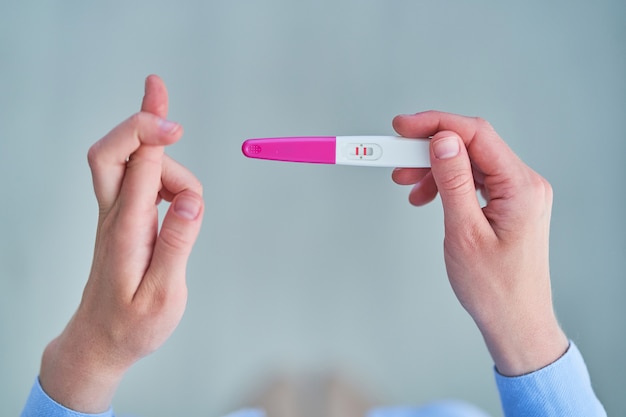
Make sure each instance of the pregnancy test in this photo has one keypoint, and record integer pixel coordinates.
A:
(373, 151)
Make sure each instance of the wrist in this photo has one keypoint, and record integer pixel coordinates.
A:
(526, 344)
(71, 376)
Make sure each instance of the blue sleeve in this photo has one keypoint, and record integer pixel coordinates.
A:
(40, 404)
(561, 389)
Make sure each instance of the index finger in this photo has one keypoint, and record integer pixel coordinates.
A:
(176, 178)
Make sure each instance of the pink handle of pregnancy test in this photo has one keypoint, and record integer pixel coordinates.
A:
(312, 149)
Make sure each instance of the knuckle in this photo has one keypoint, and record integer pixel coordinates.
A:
(154, 299)
(92, 154)
(483, 124)
(174, 240)
(197, 188)
(435, 115)
(465, 238)
(194, 185)
(542, 189)
(158, 300)
(548, 191)
(135, 119)
(456, 182)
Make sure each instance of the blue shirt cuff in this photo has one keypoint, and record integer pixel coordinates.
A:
(40, 404)
(562, 388)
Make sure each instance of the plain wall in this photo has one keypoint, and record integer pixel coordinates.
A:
(303, 268)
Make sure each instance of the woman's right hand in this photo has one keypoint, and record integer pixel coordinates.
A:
(497, 255)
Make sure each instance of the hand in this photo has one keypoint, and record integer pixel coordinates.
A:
(136, 292)
(497, 256)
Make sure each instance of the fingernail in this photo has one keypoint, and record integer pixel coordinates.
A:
(187, 208)
(446, 148)
(168, 126)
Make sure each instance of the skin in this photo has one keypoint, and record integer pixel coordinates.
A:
(496, 256)
(136, 292)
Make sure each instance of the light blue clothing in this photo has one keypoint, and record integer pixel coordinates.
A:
(40, 405)
(561, 389)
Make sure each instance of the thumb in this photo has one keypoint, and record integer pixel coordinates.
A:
(452, 172)
(177, 236)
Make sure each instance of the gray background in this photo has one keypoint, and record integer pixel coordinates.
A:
(300, 268)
